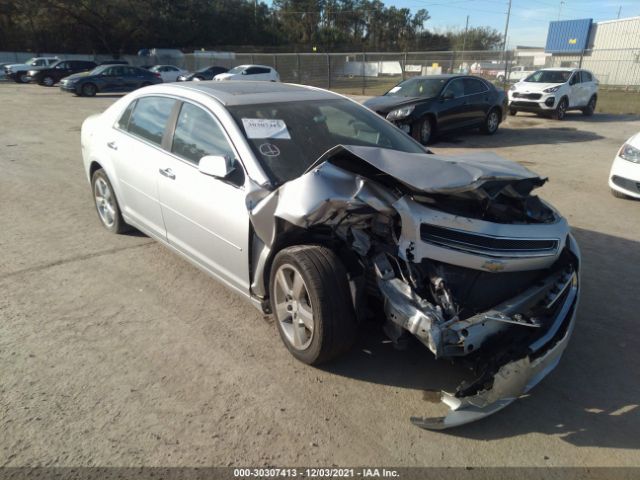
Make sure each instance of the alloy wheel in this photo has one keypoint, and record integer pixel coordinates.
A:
(293, 307)
(48, 81)
(105, 202)
(425, 132)
(492, 121)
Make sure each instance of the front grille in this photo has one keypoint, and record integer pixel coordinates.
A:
(626, 183)
(523, 104)
(528, 96)
(486, 244)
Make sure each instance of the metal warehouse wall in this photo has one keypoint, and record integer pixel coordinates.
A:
(619, 34)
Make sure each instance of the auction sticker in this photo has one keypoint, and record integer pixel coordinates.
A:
(266, 128)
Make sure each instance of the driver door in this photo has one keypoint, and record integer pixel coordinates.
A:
(452, 108)
(206, 217)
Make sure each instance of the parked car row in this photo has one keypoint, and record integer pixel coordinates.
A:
(86, 78)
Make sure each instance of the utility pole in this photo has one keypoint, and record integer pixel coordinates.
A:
(504, 49)
(560, 9)
(619, 10)
(464, 41)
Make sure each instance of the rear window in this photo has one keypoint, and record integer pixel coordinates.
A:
(149, 118)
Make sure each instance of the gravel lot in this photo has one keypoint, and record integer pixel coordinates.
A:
(114, 351)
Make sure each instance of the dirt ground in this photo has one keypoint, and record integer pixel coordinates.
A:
(114, 351)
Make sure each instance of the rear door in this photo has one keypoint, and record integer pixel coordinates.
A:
(589, 85)
(452, 111)
(206, 217)
(575, 90)
(137, 156)
(258, 73)
(476, 104)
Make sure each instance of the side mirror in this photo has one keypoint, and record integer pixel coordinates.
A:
(448, 96)
(217, 166)
(244, 72)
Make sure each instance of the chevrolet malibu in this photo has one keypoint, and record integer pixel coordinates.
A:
(312, 207)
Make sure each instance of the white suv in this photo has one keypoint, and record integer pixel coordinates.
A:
(554, 91)
(250, 72)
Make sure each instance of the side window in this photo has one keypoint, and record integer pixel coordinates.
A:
(586, 77)
(64, 65)
(473, 86)
(257, 70)
(197, 134)
(456, 87)
(39, 63)
(110, 72)
(149, 118)
(123, 121)
(575, 79)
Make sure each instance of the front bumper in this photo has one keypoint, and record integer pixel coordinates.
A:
(517, 342)
(68, 87)
(625, 177)
(533, 102)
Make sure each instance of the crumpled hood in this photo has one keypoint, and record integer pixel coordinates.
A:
(386, 103)
(436, 174)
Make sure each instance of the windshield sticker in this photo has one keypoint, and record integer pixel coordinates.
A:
(266, 128)
(269, 150)
(394, 89)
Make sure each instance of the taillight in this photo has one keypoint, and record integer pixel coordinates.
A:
(157, 74)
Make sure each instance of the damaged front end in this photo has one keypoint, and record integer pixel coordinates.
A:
(461, 254)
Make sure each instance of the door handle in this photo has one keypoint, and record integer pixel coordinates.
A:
(112, 145)
(167, 172)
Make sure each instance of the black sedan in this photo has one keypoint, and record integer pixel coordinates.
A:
(49, 76)
(109, 78)
(203, 74)
(425, 106)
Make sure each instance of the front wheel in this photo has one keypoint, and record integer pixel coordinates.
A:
(491, 122)
(89, 90)
(21, 77)
(311, 303)
(590, 108)
(106, 203)
(422, 131)
(561, 110)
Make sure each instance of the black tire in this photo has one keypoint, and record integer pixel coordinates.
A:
(491, 122)
(591, 107)
(328, 297)
(21, 77)
(88, 90)
(513, 112)
(618, 194)
(561, 110)
(422, 131)
(118, 225)
(48, 81)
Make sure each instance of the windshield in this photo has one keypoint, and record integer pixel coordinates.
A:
(549, 76)
(237, 69)
(99, 69)
(418, 87)
(288, 137)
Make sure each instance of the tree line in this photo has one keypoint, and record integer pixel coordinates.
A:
(125, 26)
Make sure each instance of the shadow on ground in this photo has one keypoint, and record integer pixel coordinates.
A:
(593, 397)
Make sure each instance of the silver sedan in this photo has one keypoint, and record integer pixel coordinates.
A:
(312, 206)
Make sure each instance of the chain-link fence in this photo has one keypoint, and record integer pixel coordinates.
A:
(371, 73)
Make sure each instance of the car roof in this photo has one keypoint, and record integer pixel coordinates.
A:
(442, 76)
(561, 69)
(252, 65)
(244, 92)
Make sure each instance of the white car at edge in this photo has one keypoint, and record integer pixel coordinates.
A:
(624, 178)
(250, 72)
(168, 73)
(555, 91)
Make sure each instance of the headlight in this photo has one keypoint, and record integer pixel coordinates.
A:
(400, 113)
(513, 88)
(551, 89)
(629, 153)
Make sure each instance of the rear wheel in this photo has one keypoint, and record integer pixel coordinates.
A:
(311, 303)
(48, 81)
(513, 112)
(590, 108)
(422, 131)
(89, 90)
(561, 110)
(491, 122)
